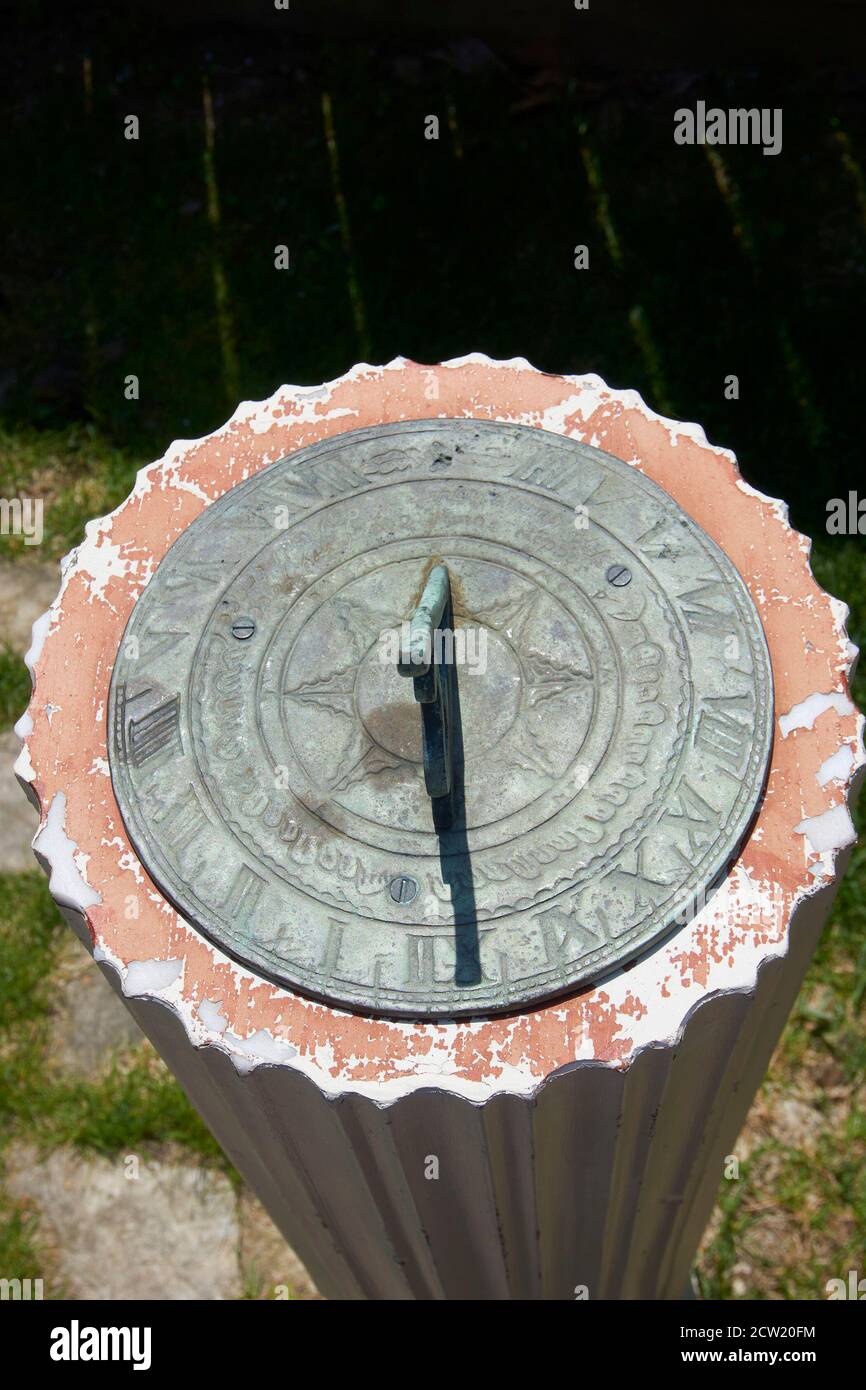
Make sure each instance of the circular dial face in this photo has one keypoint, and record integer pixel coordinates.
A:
(614, 696)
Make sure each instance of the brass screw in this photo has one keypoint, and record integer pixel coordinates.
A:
(403, 888)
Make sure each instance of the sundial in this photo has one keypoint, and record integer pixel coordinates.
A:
(419, 766)
(440, 718)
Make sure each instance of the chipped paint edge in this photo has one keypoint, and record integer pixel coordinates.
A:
(509, 1081)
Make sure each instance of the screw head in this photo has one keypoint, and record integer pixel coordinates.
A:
(403, 888)
(243, 628)
(618, 575)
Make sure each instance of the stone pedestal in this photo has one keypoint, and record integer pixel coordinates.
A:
(576, 1147)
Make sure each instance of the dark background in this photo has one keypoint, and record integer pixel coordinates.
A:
(258, 128)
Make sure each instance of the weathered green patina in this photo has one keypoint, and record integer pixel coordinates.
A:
(595, 734)
(429, 659)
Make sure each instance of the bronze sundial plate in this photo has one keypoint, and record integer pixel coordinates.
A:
(616, 710)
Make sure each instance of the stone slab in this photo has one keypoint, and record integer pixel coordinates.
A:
(170, 1232)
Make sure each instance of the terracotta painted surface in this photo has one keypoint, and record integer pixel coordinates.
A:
(65, 758)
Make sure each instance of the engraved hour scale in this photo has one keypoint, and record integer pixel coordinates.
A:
(410, 826)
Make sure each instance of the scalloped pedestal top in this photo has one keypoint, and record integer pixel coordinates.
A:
(150, 931)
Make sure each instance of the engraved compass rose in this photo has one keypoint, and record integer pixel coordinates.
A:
(337, 687)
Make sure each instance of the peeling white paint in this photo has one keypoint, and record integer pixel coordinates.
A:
(101, 560)
(150, 976)
(212, 1016)
(22, 767)
(66, 884)
(836, 768)
(477, 359)
(803, 716)
(830, 831)
(262, 1047)
(38, 633)
(776, 504)
(24, 726)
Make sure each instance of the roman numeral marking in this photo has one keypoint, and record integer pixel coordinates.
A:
(659, 542)
(333, 946)
(210, 573)
(693, 815)
(243, 896)
(649, 541)
(158, 640)
(378, 963)
(565, 937)
(332, 478)
(457, 957)
(610, 930)
(721, 734)
(153, 733)
(545, 473)
(340, 477)
(185, 820)
(698, 612)
(420, 960)
(639, 879)
(608, 492)
(504, 973)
